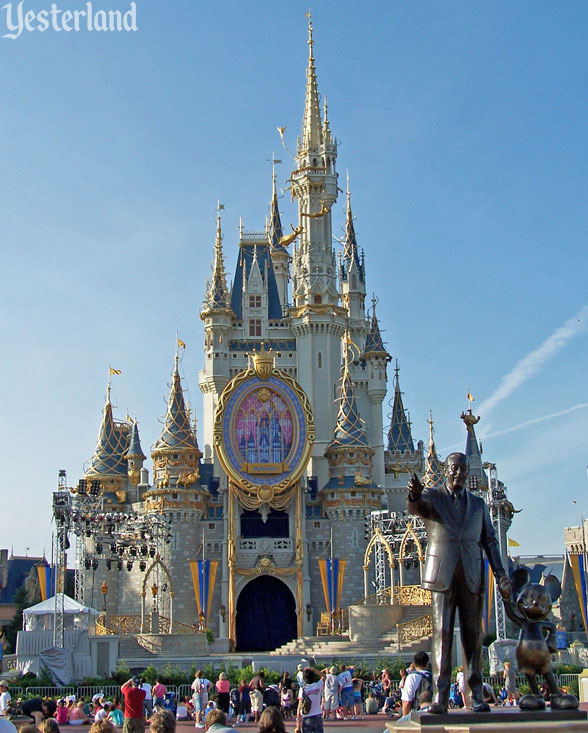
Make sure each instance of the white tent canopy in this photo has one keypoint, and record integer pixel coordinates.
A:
(76, 615)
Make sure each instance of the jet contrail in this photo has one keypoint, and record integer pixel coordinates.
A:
(535, 359)
(580, 406)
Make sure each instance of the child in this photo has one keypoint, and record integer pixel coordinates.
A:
(61, 714)
(115, 714)
(256, 703)
(182, 710)
(244, 701)
(286, 703)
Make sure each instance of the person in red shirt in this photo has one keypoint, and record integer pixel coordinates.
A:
(134, 718)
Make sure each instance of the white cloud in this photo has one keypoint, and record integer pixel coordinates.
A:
(534, 360)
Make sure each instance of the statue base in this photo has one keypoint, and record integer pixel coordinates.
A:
(498, 720)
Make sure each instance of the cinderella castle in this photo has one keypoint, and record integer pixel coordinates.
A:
(292, 454)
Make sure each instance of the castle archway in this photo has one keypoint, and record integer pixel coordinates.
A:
(266, 615)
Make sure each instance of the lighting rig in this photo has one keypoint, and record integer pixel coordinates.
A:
(111, 539)
(392, 526)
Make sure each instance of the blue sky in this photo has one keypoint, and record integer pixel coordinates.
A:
(463, 127)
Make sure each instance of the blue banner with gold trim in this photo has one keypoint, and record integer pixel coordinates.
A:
(204, 578)
(332, 572)
(46, 578)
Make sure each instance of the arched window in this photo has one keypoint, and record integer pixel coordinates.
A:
(320, 360)
(318, 299)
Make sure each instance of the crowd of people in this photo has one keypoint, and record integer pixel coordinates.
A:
(309, 697)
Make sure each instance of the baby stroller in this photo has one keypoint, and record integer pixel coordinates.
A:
(455, 699)
(169, 702)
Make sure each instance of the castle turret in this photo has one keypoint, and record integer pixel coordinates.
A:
(350, 459)
(478, 479)
(434, 473)
(108, 464)
(352, 276)
(217, 316)
(279, 253)
(401, 458)
(317, 319)
(376, 358)
(351, 493)
(176, 456)
(134, 455)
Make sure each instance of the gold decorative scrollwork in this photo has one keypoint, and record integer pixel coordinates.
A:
(412, 595)
(416, 629)
(251, 495)
(265, 565)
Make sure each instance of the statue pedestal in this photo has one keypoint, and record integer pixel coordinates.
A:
(497, 721)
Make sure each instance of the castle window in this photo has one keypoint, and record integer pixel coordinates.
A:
(174, 496)
(255, 301)
(318, 299)
(211, 526)
(320, 360)
(255, 327)
(276, 524)
(317, 525)
(353, 282)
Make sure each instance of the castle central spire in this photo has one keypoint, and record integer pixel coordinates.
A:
(311, 126)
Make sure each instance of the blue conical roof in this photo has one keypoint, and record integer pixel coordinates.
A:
(399, 435)
(134, 449)
(177, 432)
(349, 430)
(350, 251)
(275, 225)
(373, 341)
(109, 456)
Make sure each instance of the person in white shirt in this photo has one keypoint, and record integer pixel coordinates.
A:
(148, 701)
(312, 721)
(331, 695)
(4, 697)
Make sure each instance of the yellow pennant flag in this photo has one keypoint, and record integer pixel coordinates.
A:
(181, 344)
(513, 543)
(115, 371)
(470, 398)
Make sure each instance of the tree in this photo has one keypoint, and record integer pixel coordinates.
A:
(21, 598)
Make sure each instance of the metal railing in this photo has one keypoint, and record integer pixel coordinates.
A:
(124, 625)
(417, 628)
(412, 595)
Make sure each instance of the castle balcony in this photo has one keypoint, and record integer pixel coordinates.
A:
(265, 545)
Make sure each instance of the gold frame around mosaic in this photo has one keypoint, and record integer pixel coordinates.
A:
(250, 494)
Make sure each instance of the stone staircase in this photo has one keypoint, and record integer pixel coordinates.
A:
(336, 647)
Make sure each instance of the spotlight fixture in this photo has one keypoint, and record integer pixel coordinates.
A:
(144, 551)
(99, 548)
(133, 552)
(129, 565)
(119, 564)
(152, 552)
(94, 564)
(142, 566)
(109, 564)
(87, 563)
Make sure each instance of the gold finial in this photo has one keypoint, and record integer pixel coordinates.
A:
(469, 419)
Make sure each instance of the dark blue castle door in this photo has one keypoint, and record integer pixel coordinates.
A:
(266, 615)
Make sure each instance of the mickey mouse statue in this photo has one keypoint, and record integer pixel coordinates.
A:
(529, 607)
